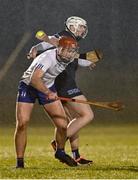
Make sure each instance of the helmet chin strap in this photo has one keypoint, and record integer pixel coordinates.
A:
(78, 38)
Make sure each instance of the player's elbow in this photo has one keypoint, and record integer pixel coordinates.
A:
(33, 81)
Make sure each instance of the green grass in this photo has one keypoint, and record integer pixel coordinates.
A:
(114, 150)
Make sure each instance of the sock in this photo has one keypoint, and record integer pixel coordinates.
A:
(76, 154)
(20, 163)
(60, 151)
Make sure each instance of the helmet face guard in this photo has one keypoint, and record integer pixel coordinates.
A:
(67, 49)
(75, 25)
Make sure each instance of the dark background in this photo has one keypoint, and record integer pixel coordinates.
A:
(113, 27)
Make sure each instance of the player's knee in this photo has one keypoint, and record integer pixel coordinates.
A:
(22, 124)
(88, 116)
(63, 126)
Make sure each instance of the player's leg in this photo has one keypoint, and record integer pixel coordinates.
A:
(74, 140)
(85, 116)
(58, 116)
(23, 112)
(24, 106)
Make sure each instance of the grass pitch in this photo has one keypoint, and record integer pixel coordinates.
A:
(113, 148)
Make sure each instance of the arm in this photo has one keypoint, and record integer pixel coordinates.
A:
(84, 62)
(42, 36)
(48, 42)
(41, 66)
(36, 82)
(39, 47)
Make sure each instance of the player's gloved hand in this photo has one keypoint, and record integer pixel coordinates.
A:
(94, 56)
(32, 54)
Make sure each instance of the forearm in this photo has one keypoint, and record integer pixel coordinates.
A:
(42, 36)
(39, 85)
(42, 46)
(37, 47)
(84, 62)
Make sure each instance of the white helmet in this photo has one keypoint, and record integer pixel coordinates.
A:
(76, 22)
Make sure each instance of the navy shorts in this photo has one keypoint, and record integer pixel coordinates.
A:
(28, 94)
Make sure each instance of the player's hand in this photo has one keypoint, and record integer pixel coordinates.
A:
(32, 54)
(94, 56)
(51, 95)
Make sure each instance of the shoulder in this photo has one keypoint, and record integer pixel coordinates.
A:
(47, 56)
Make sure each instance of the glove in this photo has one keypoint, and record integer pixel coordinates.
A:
(94, 56)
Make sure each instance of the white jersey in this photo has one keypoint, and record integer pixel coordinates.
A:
(48, 63)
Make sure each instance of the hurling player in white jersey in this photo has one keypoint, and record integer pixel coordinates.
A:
(37, 83)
